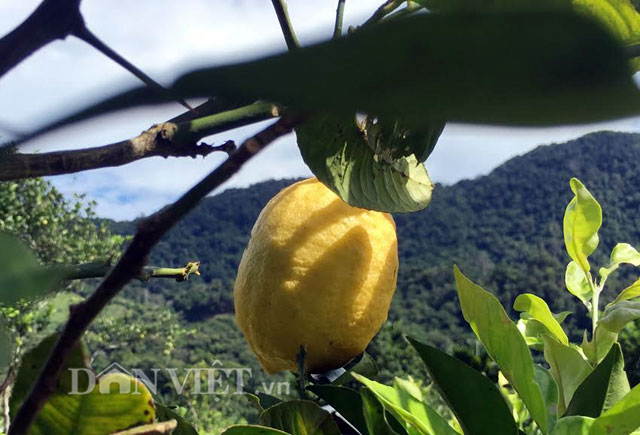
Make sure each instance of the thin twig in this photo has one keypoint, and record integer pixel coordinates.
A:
(290, 38)
(102, 269)
(52, 19)
(164, 140)
(386, 8)
(150, 231)
(87, 36)
(337, 29)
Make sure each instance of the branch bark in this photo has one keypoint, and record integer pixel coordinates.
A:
(132, 261)
(52, 19)
(164, 140)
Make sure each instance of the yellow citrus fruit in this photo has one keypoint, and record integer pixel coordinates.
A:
(318, 273)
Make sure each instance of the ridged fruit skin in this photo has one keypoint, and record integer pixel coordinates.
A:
(317, 272)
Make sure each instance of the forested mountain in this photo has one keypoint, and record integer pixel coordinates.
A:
(504, 230)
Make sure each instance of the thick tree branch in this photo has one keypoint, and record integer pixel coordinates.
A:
(150, 231)
(164, 140)
(53, 19)
(102, 269)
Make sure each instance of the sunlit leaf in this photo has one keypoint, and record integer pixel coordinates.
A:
(631, 292)
(550, 392)
(568, 368)
(619, 16)
(577, 283)
(617, 315)
(364, 174)
(406, 408)
(621, 253)
(503, 343)
(582, 219)
(538, 309)
(622, 418)
(598, 348)
(574, 425)
(377, 419)
(112, 403)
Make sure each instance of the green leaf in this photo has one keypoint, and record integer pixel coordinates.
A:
(622, 418)
(361, 170)
(406, 408)
(597, 349)
(631, 292)
(582, 219)
(621, 253)
(534, 68)
(299, 417)
(538, 309)
(606, 385)
(245, 429)
(617, 316)
(23, 277)
(344, 400)
(550, 392)
(568, 368)
(399, 140)
(577, 283)
(267, 400)
(184, 427)
(503, 343)
(450, 6)
(161, 428)
(473, 398)
(375, 416)
(116, 403)
(619, 16)
(574, 425)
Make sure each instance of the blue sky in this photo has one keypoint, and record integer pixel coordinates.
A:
(165, 40)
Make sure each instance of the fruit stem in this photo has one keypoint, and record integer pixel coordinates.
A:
(302, 372)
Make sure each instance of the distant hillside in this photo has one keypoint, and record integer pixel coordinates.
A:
(503, 229)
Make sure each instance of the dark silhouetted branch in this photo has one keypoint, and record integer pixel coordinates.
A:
(52, 19)
(164, 140)
(87, 36)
